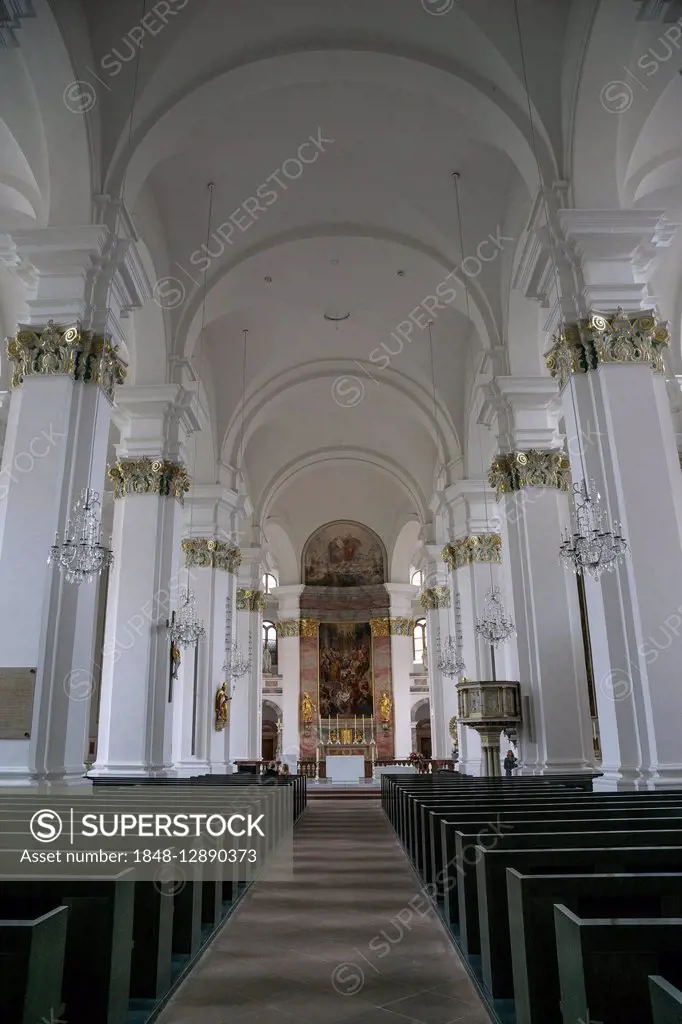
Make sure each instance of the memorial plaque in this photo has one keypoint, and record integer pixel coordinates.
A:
(17, 686)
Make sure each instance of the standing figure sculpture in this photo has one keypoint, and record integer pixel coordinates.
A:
(222, 708)
(267, 660)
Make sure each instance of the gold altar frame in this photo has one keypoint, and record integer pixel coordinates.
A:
(362, 622)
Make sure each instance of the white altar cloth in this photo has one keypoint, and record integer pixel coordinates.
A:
(348, 768)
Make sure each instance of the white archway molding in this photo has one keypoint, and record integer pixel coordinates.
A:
(19, 192)
(264, 401)
(299, 468)
(501, 122)
(222, 299)
(280, 546)
(406, 544)
(622, 117)
(64, 163)
(420, 711)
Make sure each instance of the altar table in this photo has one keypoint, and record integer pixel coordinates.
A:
(348, 768)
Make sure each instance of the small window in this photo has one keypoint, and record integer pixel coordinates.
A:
(269, 645)
(419, 642)
(269, 583)
(416, 578)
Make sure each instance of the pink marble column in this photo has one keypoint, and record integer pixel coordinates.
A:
(381, 659)
(309, 680)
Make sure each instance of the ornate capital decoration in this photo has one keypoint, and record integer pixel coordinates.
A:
(515, 471)
(380, 627)
(618, 337)
(309, 628)
(202, 553)
(66, 351)
(402, 627)
(251, 601)
(485, 547)
(435, 597)
(149, 476)
(288, 627)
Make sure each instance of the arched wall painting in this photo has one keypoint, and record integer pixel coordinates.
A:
(344, 554)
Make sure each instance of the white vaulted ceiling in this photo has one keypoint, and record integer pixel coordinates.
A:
(227, 91)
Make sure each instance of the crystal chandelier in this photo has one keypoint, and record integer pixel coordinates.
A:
(450, 661)
(592, 547)
(185, 629)
(81, 556)
(494, 626)
(235, 664)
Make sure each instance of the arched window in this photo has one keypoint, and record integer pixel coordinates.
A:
(269, 582)
(419, 642)
(269, 644)
(416, 578)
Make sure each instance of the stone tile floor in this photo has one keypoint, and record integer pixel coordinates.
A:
(350, 939)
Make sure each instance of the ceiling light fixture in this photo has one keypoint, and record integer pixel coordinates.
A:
(336, 318)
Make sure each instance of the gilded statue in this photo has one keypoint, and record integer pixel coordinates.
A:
(307, 709)
(175, 660)
(385, 706)
(222, 708)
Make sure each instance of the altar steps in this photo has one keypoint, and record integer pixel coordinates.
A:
(328, 791)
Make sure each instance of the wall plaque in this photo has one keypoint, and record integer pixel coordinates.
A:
(17, 686)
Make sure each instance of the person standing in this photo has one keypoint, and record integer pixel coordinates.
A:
(509, 764)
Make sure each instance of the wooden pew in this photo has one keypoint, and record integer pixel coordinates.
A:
(443, 851)
(666, 1001)
(531, 901)
(496, 959)
(100, 918)
(605, 963)
(31, 964)
(548, 834)
(150, 969)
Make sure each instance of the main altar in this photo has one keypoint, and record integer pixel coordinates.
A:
(346, 749)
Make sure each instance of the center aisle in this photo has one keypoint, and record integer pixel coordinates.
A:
(349, 939)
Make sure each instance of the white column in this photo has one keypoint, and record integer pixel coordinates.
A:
(136, 715)
(199, 748)
(531, 475)
(247, 709)
(402, 620)
(475, 559)
(55, 446)
(437, 603)
(628, 449)
(289, 668)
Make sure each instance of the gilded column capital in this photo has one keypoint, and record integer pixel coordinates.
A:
(251, 600)
(208, 553)
(66, 351)
(514, 471)
(402, 626)
(309, 628)
(380, 627)
(435, 597)
(288, 627)
(619, 337)
(482, 547)
(149, 476)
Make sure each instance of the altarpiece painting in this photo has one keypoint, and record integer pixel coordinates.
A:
(346, 687)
